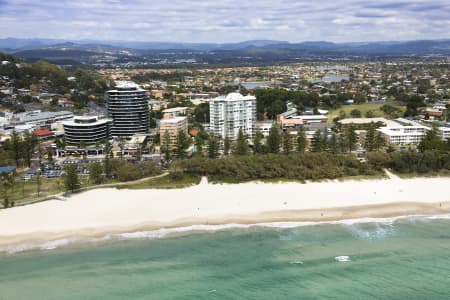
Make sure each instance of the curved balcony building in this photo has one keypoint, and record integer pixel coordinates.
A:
(128, 109)
(87, 130)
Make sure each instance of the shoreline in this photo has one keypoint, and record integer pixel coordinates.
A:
(105, 212)
(371, 213)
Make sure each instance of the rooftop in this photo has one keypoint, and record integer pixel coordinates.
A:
(37, 116)
(368, 121)
(122, 84)
(289, 112)
(43, 132)
(311, 117)
(175, 109)
(7, 169)
(172, 120)
(86, 121)
(235, 97)
(403, 130)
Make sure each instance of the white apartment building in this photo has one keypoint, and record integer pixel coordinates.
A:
(444, 133)
(403, 135)
(230, 113)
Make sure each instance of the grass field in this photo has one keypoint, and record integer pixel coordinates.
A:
(364, 108)
(166, 182)
(28, 191)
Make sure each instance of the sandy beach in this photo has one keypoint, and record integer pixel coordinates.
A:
(109, 211)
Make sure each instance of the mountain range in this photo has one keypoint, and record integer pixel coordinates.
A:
(89, 51)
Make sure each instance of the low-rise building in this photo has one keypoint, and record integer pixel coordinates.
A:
(39, 118)
(366, 121)
(312, 119)
(263, 127)
(175, 112)
(44, 134)
(403, 135)
(87, 130)
(173, 126)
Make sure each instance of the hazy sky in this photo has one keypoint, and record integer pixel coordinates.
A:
(226, 20)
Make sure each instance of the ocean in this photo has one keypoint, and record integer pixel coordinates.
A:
(404, 258)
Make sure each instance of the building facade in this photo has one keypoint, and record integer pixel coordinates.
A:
(403, 135)
(173, 126)
(444, 133)
(128, 109)
(230, 113)
(87, 130)
(175, 112)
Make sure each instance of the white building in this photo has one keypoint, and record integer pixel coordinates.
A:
(175, 112)
(444, 133)
(230, 113)
(263, 127)
(403, 135)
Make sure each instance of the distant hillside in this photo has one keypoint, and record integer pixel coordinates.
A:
(258, 51)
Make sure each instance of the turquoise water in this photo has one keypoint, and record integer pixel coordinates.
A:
(404, 259)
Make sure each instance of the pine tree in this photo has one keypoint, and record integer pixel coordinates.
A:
(317, 142)
(30, 142)
(432, 141)
(213, 146)
(16, 147)
(301, 140)
(121, 142)
(380, 142)
(71, 180)
(38, 183)
(325, 141)
(226, 146)
(106, 162)
(199, 144)
(241, 147)
(369, 143)
(50, 156)
(182, 144)
(287, 143)
(96, 173)
(349, 139)
(258, 147)
(333, 144)
(274, 139)
(165, 145)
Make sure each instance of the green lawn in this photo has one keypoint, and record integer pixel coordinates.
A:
(26, 192)
(166, 182)
(364, 108)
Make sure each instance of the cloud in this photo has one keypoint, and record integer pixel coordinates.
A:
(226, 20)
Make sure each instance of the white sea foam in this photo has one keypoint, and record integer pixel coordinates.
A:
(343, 258)
(50, 245)
(165, 232)
(438, 217)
